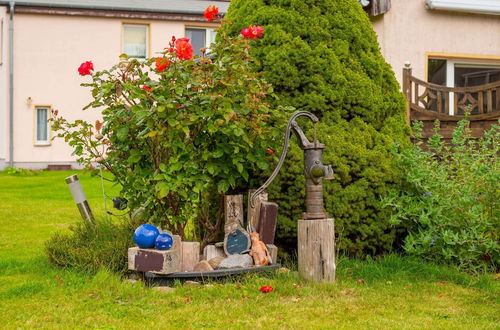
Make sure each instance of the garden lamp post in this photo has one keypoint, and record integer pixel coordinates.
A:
(316, 241)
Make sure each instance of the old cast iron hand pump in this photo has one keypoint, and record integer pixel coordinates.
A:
(314, 169)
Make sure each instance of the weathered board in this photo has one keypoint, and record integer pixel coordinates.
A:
(233, 211)
(190, 255)
(267, 222)
(273, 252)
(211, 251)
(253, 213)
(316, 250)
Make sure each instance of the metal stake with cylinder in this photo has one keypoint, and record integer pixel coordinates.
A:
(316, 237)
(79, 197)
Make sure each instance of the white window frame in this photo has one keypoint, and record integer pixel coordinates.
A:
(209, 32)
(147, 39)
(450, 72)
(48, 141)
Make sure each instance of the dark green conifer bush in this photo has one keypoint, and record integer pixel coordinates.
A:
(323, 57)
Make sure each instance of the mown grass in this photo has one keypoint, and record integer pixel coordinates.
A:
(391, 292)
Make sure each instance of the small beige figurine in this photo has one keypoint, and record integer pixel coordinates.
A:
(259, 251)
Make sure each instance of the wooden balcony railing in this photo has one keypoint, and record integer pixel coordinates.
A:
(427, 101)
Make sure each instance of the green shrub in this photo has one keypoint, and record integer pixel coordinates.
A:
(323, 57)
(17, 171)
(451, 199)
(92, 247)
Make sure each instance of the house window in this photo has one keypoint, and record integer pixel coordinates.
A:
(42, 128)
(135, 40)
(463, 73)
(200, 38)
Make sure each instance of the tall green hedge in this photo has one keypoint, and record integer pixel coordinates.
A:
(322, 56)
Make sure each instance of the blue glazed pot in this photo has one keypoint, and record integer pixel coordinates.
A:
(145, 236)
(164, 242)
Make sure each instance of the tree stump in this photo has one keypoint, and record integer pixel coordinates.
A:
(316, 250)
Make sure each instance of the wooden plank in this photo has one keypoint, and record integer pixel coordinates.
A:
(497, 108)
(439, 102)
(190, 255)
(273, 253)
(455, 104)
(233, 211)
(480, 103)
(489, 101)
(446, 102)
(211, 251)
(253, 213)
(316, 250)
(268, 220)
(416, 94)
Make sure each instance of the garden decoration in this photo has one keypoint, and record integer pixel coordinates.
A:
(316, 244)
(79, 197)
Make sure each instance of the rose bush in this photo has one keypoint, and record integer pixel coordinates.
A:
(179, 131)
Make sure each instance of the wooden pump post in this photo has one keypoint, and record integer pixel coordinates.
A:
(316, 240)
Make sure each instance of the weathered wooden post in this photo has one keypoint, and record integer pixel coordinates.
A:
(407, 89)
(316, 240)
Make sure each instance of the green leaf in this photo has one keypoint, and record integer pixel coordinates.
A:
(122, 133)
(262, 165)
(223, 186)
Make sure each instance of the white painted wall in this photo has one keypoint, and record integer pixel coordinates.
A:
(409, 31)
(48, 51)
(4, 85)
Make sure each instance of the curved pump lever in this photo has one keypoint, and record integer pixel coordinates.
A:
(303, 140)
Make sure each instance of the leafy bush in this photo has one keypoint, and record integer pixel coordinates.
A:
(323, 57)
(178, 132)
(92, 247)
(451, 198)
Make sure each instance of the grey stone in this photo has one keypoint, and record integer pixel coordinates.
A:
(236, 261)
(191, 283)
(203, 266)
(215, 262)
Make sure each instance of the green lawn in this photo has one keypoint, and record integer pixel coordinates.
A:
(393, 292)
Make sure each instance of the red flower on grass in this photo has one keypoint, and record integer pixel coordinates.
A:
(85, 68)
(211, 12)
(162, 63)
(147, 88)
(252, 32)
(183, 49)
(266, 289)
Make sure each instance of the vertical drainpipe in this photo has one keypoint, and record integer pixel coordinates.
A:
(11, 84)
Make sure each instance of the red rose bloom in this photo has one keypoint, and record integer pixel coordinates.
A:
(211, 12)
(266, 289)
(147, 88)
(170, 50)
(252, 32)
(162, 63)
(183, 49)
(85, 68)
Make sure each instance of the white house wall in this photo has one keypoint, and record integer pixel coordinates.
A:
(4, 85)
(48, 51)
(410, 32)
